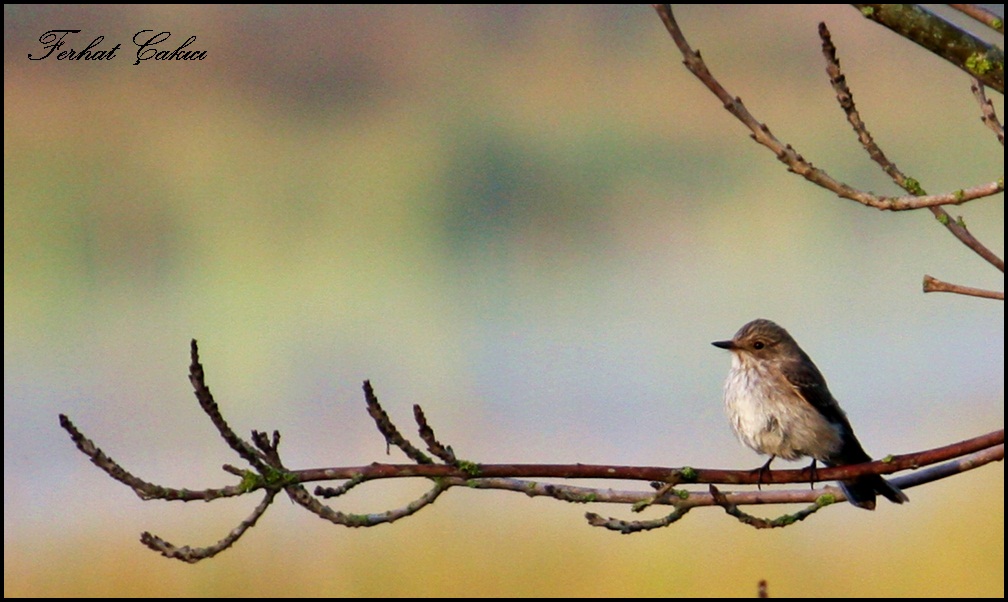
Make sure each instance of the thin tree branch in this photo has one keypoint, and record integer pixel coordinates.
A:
(982, 15)
(846, 100)
(389, 431)
(789, 156)
(762, 523)
(206, 401)
(271, 474)
(961, 48)
(301, 496)
(888, 465)
(797, 164)
(627, 527)
(933, 285)
(818, 498)
(487, 472)
(989, 115)
(193, 555)
(444, 452)
(143, 489)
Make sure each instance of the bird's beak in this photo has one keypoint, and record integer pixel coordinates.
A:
(729, 345)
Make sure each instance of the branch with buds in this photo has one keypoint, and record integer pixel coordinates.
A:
(669, 485)
(916, 197)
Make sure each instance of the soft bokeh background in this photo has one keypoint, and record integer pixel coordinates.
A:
(530, 220)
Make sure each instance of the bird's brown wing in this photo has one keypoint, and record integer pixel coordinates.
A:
(810, 384)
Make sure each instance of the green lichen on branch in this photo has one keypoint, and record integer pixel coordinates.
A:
(250, 482)
(825, 500)
(914, 187)
(980, 64)
(470, 468)
(943, 38)
(272, 479)
(688, 473)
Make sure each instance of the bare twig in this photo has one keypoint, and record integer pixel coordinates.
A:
(627, 527)
(789, 156)
(301, 496)
(989, 115)
(389, 431)
(994, 453)
(143, 489)
(846, 101)
(958, 229)
(193, 555)
(206, 401)
(762, 523)
(434, 446)
(933, 285)
(330, 492)
(982, 15)
(796, 163)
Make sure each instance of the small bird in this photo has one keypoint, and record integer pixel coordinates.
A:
(779, 404)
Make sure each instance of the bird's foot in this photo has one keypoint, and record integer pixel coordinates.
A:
(813, 474)
(761, 471)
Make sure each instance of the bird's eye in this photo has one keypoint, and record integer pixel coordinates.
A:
(758, 345)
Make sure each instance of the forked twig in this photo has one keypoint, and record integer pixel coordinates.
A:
(911, 185)
(917, 199)
(273, 477)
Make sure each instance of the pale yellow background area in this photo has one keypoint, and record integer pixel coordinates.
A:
(532, 221)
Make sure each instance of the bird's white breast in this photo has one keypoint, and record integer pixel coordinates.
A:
(770, 416)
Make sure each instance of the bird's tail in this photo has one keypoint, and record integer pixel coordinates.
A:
(862, 490)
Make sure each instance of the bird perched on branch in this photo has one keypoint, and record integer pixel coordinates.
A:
(779, 404)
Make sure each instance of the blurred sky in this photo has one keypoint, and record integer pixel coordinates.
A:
(532, 221)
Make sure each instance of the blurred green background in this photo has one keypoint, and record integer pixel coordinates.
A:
(532, 221)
